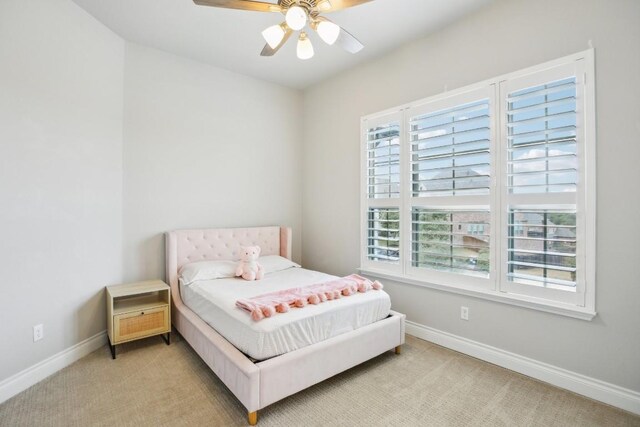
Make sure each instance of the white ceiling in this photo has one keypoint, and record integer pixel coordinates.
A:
(231, 39)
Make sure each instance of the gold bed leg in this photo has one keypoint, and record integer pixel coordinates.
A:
(399, 349)
(253, 418)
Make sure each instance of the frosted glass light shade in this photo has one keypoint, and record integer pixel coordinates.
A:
(305, 48)
(296, 18)
(328, 31)
(324, 5)
(273, 35)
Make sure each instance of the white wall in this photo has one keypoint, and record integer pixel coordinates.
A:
(504, 37)
(204, 147)
(61, 76)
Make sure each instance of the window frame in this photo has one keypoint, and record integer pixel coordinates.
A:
(497, 287)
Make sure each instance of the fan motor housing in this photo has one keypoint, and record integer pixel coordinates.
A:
(307, 4)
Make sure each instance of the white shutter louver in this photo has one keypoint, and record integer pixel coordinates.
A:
(450, 151)
(383, 161)
(455, 241)
(542, 247)
(542, 138)
(383, 234)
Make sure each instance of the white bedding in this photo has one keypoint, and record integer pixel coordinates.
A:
(214, 301)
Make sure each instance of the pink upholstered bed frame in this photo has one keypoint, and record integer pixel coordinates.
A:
(260, 384)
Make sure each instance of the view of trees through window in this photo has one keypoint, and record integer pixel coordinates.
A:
(453, 241)
(384, 234)
(542, 248)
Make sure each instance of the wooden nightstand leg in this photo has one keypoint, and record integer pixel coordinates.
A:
(113, 349)
(167, 339)
(399, 349)
(253, 418)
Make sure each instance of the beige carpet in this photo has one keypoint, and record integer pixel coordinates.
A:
(151, 384)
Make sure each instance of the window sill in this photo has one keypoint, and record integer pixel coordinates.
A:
(517, 300)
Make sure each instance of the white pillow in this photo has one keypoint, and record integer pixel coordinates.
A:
(207, 270)
(273, 263)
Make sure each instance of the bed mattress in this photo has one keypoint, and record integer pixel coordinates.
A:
(214, 301)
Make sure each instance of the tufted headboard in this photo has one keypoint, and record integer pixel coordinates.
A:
(185, 246)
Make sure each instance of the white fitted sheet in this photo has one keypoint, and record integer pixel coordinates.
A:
(214, 301)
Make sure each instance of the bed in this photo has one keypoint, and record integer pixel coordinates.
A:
(257, 384)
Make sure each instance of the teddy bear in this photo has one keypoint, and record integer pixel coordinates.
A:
(248, 266)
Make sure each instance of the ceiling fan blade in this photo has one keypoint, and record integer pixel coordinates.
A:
(258, 6)
(269, 51)
(349, 42)
(339, 4)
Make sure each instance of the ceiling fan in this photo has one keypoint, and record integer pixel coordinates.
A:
(298, 13)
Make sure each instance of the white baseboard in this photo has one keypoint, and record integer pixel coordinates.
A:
(602, 391)
(611, 394)
(36, 373)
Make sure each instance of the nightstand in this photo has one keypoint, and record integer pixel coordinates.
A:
(138, 310)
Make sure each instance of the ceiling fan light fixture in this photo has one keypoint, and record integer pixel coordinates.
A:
(274, 35)
(328, 32)
(305, 48)
(298, 14)
(296, 18)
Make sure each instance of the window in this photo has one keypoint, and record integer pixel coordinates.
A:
(489, 190)
(450, 165)
(383, 227)
(381, 178)
(436, 246)
(544, 146)
(383, 161)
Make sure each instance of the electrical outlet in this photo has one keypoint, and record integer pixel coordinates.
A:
(464, 313)
(38, 332)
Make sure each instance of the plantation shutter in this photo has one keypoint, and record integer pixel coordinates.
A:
(488, 189)
(383, 160)
(450, 151)
(450, 147)
(381, 230)
(383, 234)
(543, 136)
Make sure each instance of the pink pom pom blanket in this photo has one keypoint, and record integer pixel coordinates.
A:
(269, 304)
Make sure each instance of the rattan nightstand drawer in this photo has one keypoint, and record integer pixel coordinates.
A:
(138, 324)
